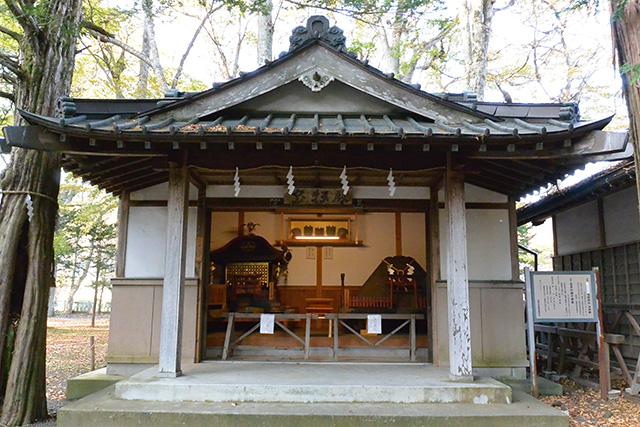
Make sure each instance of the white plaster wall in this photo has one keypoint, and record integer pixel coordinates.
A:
(147, 242)
(270, 224)
(377, 231)
(473, 194)
(160, 192)
(621, 221)
(414, 237)
(224, 227)
(488, 244)
(578, 229)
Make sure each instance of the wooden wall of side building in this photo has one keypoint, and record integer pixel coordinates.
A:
(609, 221)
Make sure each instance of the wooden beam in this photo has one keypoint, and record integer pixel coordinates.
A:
(241, 223)
(513, 239)
(129, 184)
(457, 279)
(197, 180)
(170, 364)
(398, 233)
(601, 226)
(554, 225)
(155, 180)
(123, 227)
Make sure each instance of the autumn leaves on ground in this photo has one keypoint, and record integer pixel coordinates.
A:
(68, 355)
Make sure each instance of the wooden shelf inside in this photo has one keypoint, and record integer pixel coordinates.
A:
(311, 242)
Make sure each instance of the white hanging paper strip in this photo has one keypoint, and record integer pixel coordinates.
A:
(236, 184)
(290, 181)
(345, 181)
(29, 203)
(267, 322)
(392, 183)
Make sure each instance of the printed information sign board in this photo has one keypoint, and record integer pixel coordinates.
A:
(564, 296)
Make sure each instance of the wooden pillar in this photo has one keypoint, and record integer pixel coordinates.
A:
(173, 287)
(513, 239)
(433, 233)
(398, 233)
(319, 254)
(457, 279)
(123, 227)
(202, 270)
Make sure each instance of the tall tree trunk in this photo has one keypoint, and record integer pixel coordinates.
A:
(390, 60)
(154, 56)
(143, 73)
(625, 23)
(75, 284)
(47, 54)
(265, 34)
(475, 18)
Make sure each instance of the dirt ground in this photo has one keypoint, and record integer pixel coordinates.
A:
(68, 355)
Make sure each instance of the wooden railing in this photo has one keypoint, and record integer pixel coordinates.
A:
(369, 302)
(335, 319)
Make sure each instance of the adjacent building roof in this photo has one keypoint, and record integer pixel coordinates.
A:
(617, 177)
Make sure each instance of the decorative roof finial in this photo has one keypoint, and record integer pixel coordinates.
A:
(318, 28)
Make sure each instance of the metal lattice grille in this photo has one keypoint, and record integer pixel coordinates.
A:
(247, 269)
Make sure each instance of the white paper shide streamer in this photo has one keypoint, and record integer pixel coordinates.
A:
(236, 184)
(291, 184)
(392, 183)
(29, 204)
(345, 181)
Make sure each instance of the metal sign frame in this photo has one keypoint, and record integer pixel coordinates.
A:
(592, 291)
(603, 348)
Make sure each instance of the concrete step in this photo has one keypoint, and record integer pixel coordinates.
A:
(105, 410)
(234, 381)
(89, 383)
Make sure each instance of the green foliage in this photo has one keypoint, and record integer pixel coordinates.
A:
(86, 232)
(632, 71)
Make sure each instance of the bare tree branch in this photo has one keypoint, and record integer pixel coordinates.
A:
(507, 6)
(210, 12)
(13, 34)
(8, 62)
(8, 95)
(97, 29)
(107, 39)
(27, 22)
(9, 78)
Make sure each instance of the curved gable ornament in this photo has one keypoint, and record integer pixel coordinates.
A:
(315, 81)
(318, 28)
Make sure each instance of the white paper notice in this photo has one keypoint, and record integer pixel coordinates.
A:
(266, 323)
(374, 324)
(565, 296)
